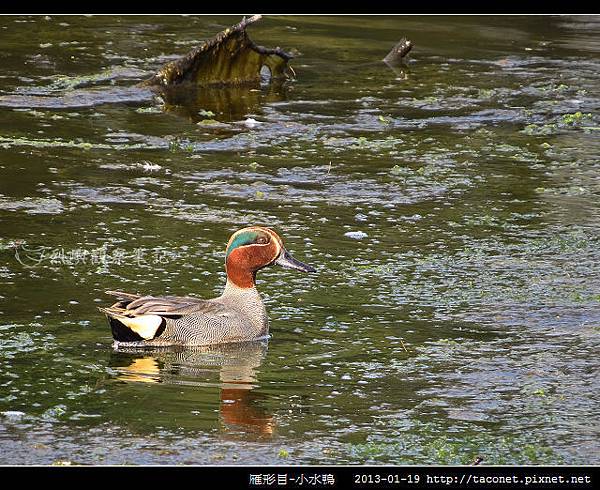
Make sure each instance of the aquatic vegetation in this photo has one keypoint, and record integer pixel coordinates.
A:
(210, 122)
(539, 130)
(179, 144)
(32, 205)
(485, 93)
(9, 142)
(399, 170)
(452, 449)
(62, 462)
(364, 143)
(566, 121)
(110, 75)
(149, 110)
(553, 87)
(464, 324)
(576, 118)
(205, 113)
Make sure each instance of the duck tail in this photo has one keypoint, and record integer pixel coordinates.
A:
(133, 329)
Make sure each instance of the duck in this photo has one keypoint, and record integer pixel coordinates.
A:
(238, 315)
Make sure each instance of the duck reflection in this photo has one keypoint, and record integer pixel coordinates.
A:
(236, 365)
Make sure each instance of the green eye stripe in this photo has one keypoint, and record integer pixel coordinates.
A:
(245, 238)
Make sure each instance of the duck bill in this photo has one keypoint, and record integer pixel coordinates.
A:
(289, 262)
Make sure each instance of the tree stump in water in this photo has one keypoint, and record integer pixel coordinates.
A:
(229, 58)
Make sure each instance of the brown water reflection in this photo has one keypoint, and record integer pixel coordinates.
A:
(464, 322)
(235, 365)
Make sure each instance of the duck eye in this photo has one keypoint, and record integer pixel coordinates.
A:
(262, 240)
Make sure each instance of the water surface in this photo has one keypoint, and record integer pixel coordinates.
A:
(465, 323)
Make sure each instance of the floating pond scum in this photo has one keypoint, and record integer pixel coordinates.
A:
(450, 206)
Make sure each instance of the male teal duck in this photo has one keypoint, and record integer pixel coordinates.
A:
(238, 315)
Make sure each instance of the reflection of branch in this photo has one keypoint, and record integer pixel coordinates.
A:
(399, 71)
(403, 346)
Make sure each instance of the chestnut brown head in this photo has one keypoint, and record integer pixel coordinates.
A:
(250, 249)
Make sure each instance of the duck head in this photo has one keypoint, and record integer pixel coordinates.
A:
(250, 249)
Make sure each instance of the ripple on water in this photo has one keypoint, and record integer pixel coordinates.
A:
(111, 194)
(32, 205)
(315, 185)
(465, 324)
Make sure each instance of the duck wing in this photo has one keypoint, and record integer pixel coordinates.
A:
(146, 315)
(123, 296)
(135, 305)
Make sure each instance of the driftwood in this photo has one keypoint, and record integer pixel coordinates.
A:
(225, 70)
(398, 52)
(229, 58)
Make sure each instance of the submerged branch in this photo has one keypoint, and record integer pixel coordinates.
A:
(398, 52)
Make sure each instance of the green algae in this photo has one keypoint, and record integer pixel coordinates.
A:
(180, 144)
(206, 114)
(575, 118)
(485, 93)
(364, 143)
(401, 171)
(10, 142)
(553, 87)
(149, 110)
(32, 205)
(209, 122)
(109, 75)
(454, 450)
(482, 258)
(539, 129)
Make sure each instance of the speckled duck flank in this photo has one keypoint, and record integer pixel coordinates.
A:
(238, 315)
